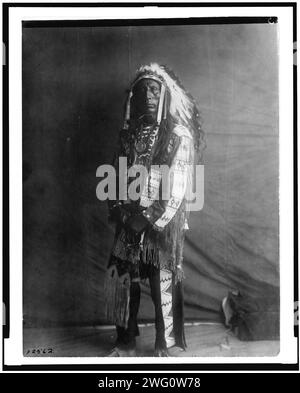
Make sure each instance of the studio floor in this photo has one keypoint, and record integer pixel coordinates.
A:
(203, 339)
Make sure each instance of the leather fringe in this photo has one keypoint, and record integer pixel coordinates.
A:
(117, 296)
(151, 254)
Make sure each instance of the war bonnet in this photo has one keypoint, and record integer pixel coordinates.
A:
(181, 107)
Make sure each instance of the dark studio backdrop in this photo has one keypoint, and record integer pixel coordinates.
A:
(74, 88)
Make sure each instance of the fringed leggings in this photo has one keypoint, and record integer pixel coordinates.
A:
(160, 281)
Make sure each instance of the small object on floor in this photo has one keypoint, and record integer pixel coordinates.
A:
(118, 352)
(252, 318)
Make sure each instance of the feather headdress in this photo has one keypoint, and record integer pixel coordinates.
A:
(181, 107)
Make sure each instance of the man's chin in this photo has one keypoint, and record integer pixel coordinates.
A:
(149, 117)
(151, 111)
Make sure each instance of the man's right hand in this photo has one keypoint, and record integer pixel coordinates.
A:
(119, 214)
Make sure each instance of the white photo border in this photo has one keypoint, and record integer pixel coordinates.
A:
(13, 346)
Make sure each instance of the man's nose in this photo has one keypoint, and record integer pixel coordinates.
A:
(149, 94)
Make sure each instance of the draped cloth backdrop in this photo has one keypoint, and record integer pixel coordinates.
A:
(74, 87)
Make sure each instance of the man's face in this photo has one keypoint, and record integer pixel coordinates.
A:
(146, 95)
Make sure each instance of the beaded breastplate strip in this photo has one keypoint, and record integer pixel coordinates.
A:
(144, 144)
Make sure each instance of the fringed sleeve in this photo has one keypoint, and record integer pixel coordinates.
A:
(160, 213)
